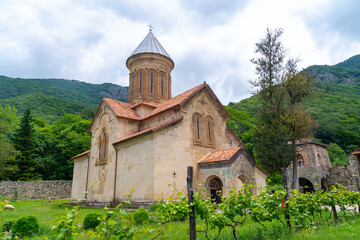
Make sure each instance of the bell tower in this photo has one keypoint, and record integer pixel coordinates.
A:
(150, 67)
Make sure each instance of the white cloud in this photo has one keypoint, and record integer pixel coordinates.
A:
(213, 42)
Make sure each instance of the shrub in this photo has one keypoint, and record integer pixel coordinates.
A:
(154, 207)
(7, 226)
(92, 220)
(141, 215)
(25, 226)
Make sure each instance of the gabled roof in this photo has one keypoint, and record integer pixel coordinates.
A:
(152, 129)
(150, 45)
(219, 156)
(182, 99)
(81, 154)
(144, 104)
(122, 109)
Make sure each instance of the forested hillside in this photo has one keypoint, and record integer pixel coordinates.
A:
(50, 99)
(335, 104)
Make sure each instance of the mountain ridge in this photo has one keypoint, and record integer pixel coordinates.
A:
(51, 98)
(335, 104)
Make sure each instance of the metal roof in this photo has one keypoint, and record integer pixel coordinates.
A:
(150, 45)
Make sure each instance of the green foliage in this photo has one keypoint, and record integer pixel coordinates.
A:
(8, 154)
(337, 155)
(281, 117)
(50, 99)
(141, 216)
(58, 142)
(65, 228)
(24, 142)
(7, 225)
(91, 221)
(117, 224)
(25, 226)
(335, 105)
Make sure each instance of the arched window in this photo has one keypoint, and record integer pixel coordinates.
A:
(197, 128)
(140, 83)
(162, 85)
(132, 86)
(169, 89)
(300, 160)
(103, 147)
(210, 131)
(151, 83)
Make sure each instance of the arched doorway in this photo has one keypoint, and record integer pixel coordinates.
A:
(305, 185)
(214, 187)
(324, 184)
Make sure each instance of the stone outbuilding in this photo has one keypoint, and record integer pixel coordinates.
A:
(313, 165)
(142, 148)
(347, 175)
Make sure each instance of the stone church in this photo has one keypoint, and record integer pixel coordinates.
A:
(143, 147)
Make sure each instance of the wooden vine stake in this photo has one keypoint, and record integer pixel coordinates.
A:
(190, 189)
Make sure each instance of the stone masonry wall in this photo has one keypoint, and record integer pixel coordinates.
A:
(36, 189)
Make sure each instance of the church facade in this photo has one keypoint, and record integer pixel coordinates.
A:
(142, 148)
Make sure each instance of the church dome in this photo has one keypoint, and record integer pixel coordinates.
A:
(150, 45)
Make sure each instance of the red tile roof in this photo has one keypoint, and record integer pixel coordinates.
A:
(152, 129)
(219, 156)
(356, 152)
(81, 154)
(144, 103)
(175, 101)
(122, 109)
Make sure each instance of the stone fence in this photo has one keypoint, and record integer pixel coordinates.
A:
(36, 189)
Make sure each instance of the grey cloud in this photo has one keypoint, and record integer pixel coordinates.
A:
(194, 68)
(343, 17)
(215, 11)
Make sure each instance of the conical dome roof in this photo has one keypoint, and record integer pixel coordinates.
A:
(150, 45)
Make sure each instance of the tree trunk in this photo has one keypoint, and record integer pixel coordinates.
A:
(286, 187)
(333, 208)
(190, 189)
(295, 170)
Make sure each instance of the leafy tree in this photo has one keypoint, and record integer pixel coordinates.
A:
(337, 155)
(24, 141)
(8, 155)
(281, 117)
(60, 141)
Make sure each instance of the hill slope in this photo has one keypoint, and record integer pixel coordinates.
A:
(335, 104)
(50, 99)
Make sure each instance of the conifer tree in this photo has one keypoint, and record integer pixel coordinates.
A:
(281, 117)
(24, 142)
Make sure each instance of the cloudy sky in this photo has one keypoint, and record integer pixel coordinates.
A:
(209, 40)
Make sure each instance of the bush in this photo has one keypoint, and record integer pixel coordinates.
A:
(141, 215)
(25, 226)
(7, 226)
(154, 207)
(92, 220)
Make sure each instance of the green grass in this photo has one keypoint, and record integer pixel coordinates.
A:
(48, 213)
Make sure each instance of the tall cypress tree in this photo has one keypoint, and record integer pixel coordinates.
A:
(24, 142)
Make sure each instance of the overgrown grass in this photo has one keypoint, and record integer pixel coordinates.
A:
(48, 213)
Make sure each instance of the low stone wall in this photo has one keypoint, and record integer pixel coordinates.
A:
(36, 189)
